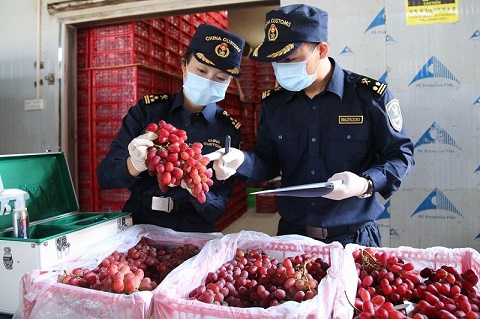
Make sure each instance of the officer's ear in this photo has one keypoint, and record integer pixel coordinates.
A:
(183, 63)
(323, 49)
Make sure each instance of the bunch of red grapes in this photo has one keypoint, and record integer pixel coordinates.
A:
(253, 279)
(172, 160)
(386, 284)
(143, 267)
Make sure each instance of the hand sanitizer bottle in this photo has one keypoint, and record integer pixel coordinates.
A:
(20, 220)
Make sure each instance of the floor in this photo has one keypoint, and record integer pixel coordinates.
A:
(266, 223)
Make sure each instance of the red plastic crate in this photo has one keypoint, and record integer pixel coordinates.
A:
(110, 111)
(265, 204)
(158, 23)
(157, 38)
(83, 36)
(263, 68)
(248, 83)
(102, 144)
(266, 79)
(128, 94)
(84, 171)
(106, 128)
(106, 207)
(126, 75)
(137, 27)
(118, 196)
(116, 58)
(119, 42)
(220, 19)
(171, 29)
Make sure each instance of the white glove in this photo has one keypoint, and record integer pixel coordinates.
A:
(138, 150)
(353, 185)
(226, 165)
(183, 184)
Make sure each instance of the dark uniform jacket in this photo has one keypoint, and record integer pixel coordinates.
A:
(349, 127)
(208, 127)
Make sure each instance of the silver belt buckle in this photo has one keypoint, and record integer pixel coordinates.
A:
(164, 204)
(317, 232)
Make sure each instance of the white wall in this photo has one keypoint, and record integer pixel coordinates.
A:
(27, 131)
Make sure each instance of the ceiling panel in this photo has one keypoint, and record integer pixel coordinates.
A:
(249, 23)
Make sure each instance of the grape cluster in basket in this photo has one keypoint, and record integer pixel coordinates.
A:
(386, 284)
(253, 279)
(143, 267)
(174, 161)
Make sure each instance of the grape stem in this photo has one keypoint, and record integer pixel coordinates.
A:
(370, 260)
(353, 306)
(303, 266)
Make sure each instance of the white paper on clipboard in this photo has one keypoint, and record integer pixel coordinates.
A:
(305, 190)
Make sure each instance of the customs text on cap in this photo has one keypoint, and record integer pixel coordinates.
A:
(218, 48)
(287, 28)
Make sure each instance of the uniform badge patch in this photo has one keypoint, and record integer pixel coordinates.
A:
(394, 114)
(350, 119)
(376, 86)
(152, 98)
(271, 92)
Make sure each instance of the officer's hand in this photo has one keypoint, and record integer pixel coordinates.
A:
(353, 185)
(183, 184)
(138, 150)
(226, 165)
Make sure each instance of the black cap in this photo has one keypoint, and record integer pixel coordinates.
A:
(287, 28)
(218, 48)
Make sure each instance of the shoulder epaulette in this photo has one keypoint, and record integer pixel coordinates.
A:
(271, 92)
(236, 124)
(376, 86)
(154, 98)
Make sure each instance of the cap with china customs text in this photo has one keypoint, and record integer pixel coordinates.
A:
(287, 28)
(218, 48)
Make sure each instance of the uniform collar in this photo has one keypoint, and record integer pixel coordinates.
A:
(177, 101)
(208, 111)
(336, 82)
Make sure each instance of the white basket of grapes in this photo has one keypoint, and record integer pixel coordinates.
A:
(253, 275)
(407, 282)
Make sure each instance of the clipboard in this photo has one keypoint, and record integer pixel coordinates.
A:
(305, 190)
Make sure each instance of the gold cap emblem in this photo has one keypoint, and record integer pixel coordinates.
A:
(272, 32)
(222, 50)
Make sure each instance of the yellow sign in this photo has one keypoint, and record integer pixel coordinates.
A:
(431, 11)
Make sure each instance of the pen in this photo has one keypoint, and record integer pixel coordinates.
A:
(228, 141)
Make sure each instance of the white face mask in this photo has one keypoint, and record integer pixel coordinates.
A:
(201, 91)
(293, 76)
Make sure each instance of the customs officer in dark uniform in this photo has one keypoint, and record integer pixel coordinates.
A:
(208, 66)
(322, 123)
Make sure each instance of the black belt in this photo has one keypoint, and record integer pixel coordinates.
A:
(322, 233)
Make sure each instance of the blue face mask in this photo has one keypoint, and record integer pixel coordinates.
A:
(293, 76)
(201, 91)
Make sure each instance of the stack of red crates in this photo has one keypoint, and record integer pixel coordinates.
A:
(247, 81)
(264, 77)
(236, 207)
(117, 65)
(266, 203)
